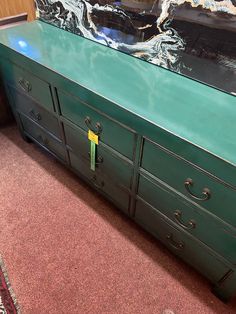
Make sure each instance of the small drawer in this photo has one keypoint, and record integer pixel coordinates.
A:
(186, 247)
(26, 105)
(108, 163)
(220, 237)
(103, 184)
(195, 184)
(110, 132)
(28, 84)
(43, 137)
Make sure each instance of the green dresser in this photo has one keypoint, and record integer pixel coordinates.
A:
(166, 153)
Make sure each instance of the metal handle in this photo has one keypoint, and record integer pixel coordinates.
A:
(97, 184)
(35, 116)
(173, 243)
(190, 225)
(206, 192)
(25, 85)
(97, 129)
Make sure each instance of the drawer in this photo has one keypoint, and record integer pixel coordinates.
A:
(186, 247)
(195, 184)
(108, 162)
(110, 132)
(103, 184)
(199, 223)
(43, 137)
(30, 108)
(28, 84)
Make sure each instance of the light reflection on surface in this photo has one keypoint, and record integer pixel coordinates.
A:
(21, 45)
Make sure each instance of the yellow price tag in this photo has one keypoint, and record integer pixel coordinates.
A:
(93, 137)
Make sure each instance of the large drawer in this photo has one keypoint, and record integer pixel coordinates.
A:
(194, 183)
(102, 183)
(42, 137)
(199, 223)
(110, 132)
(28, 83)
(109, 163)
(192, 251)
(29, 107)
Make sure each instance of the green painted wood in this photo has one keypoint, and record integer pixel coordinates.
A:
(225, 289)
(28, 83)
(130, 98)
(26, 105)
(108, 162)
(112, 134)
(194, 220)
(164, 98)
(174, 171)
(103, 184)
(43, 137)
(180, 243)
(207, 160)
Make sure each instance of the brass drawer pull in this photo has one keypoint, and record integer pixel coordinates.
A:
(25, 85)
(206, 192)
(97, 129)
(173, 243)
(96, 183)
(190, 225)
(35, 116)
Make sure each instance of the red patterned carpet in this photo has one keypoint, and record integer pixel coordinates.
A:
(8, 303)
(67, 250)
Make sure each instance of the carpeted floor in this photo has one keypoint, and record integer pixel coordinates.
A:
(69, 251)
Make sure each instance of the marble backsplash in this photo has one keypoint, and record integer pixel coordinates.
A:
(196, 38)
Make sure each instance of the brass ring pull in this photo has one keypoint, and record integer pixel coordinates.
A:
(25, 85)
(190, 225)
(97, 129)
(35, 116)
(97, 184)
(173, 243)
(206, 192)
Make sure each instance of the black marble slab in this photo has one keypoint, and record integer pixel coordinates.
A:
(196, 38)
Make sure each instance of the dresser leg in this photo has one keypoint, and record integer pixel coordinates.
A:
(226, 288)
(221, 294)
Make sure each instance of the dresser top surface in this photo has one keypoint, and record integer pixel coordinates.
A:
(191, 110)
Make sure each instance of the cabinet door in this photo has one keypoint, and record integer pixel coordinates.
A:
(108, 162)
(102, 183)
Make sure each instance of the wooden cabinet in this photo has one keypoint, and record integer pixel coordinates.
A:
(170, 174)
(15, 7)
